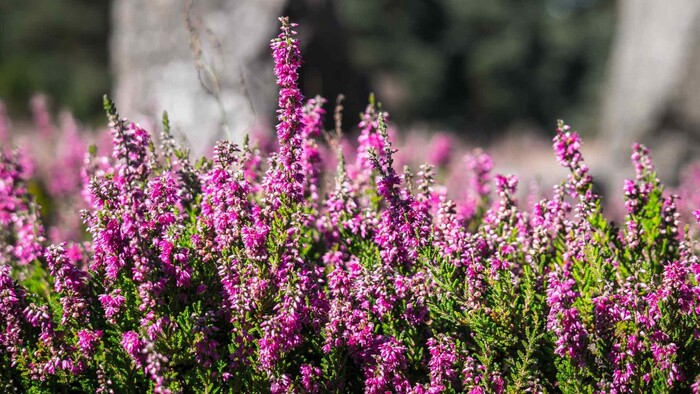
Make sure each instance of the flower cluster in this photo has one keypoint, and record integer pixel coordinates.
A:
(232, 275)
(21, 231)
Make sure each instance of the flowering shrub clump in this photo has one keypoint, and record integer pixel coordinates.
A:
(229, 275)
(50, 161)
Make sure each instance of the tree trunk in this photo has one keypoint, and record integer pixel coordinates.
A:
(653, 92)
(207, 64)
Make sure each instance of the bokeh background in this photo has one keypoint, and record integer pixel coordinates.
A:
(494, 73)
(466, 65)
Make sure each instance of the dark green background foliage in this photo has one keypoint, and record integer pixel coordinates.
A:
(487, 63)
(58, 47)
(471, 65)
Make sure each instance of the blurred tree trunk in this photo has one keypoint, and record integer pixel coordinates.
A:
(200, 61)
(653, 92)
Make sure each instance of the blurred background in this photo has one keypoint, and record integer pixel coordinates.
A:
(494, 73)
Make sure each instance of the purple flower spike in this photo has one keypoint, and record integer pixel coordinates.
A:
(133, 346)
(286, 177)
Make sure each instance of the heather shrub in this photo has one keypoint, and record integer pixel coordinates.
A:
(52, 159)
(244, 273)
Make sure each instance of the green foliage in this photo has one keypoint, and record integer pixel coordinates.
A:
(477, 63)
(58, 47)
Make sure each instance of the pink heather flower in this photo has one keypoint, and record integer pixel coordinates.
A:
(281, 384)
(622, 377)
(453, 237)
(12, 302)
(479, 165)
(506, 185)
(368, 141)
(663, 356)
(564, 319)
(206, 347)
(643, 165)
(458, 246)
(155, 367)
(242, 289)
(133, 346)
(402, 228)
(69, 282)
(342, 208)
(310, 158)
(689, 200)
(441, 150)
(472, 376)
(92, 176)
(4, 125)
(497, 383)
(386, 373)
(87, 339)
(310, 376)
(112, 303)
(608, 310)
(670, 218)
(155, 325)
(67, 277)
(162, 198)
(131, 148)
(254, 236)
(675, 288)
(302, 303)
(19, 218)
(42, 117)
(65, 181)
(634, 197)
(286, 177)
(567, 146)
(346, 322)
(38, 316)
(442, 362)
(225, 204)
(251, 166)
(206, 352)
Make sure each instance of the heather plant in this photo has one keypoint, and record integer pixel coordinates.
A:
(244, 273)
(688, 198)
(52, 158)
